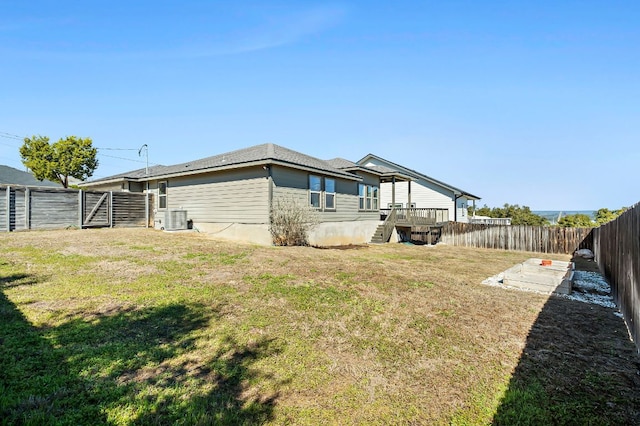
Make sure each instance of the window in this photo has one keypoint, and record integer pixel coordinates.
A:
(315, 188)
(162, 195)
(369, 197)
(375, 197)
(329, 194)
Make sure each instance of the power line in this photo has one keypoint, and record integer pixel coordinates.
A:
(127, 159)
(10, 136)
(116, 149)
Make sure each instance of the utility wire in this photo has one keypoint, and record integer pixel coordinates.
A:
(10, 136)
(127, 159)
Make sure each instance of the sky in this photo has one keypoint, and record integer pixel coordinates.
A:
(535, 103)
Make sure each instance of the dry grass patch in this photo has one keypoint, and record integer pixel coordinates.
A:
(163, 327)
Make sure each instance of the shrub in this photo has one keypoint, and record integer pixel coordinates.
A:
(290, 222)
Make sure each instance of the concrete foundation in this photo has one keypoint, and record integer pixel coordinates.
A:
(324, 234)
(531, 275)
(248, 233)
(343, 233)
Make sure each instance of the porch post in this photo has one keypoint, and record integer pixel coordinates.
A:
(393, 192)
(409, 195)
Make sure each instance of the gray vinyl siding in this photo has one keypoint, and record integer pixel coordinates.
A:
(292, 183)
(235, 196)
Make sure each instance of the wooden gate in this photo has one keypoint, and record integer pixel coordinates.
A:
(96, 209)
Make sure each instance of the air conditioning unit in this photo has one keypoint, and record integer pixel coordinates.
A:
(175, 220)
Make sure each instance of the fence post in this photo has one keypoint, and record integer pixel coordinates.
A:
(8, 208)
(27, 208)
(146, 206)
(80, 208)
(110, 209)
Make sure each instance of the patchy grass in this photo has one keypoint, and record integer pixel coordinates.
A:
(133, 326)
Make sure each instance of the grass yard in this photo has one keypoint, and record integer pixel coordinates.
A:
(135, 326)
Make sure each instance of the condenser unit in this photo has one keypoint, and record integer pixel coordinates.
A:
(175, 220)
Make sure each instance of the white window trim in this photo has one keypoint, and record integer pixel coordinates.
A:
(165, 195)
(329, 193)
(369, 198)
(311, 192)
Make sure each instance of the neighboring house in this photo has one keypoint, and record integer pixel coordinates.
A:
(416, 190)
(231, 194)
(12, 176)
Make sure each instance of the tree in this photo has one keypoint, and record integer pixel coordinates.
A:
(519, 215)
(578, 220)
(69, 157)
(605, 215)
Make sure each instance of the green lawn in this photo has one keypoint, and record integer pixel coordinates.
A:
(134, 326)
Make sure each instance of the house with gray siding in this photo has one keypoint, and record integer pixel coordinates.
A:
(415, 190)
(231, 195)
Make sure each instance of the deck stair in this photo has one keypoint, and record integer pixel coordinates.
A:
(384, 230)
(378, 235)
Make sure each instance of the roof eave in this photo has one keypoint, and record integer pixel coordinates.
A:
(234, 166)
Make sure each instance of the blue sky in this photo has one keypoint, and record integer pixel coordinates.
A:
(534, 103)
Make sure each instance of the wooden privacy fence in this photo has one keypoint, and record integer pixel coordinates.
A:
(24, 208)
(616, 246)
(543, 239)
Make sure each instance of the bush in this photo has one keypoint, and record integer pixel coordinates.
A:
(291, 222)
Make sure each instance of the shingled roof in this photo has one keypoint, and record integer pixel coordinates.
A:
(411, 173)
(267, 153)
(12, 176)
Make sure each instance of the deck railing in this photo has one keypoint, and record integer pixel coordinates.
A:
(416, 216)
(389, 224)
(490, 220)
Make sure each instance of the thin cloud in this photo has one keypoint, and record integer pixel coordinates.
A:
(278, 31)
(269, 30)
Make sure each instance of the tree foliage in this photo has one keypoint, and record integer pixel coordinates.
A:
(605, 215)
(69, 157)
(578, 220)
(519, 215)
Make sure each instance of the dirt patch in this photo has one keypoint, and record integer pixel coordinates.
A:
(124, 269)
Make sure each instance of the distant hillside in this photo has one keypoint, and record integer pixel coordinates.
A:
(11, 176)
(553, 215)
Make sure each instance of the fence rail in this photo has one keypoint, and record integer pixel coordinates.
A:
(24, 208)
(541, 239)
(616, 246)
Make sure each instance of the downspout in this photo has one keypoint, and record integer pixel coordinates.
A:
(455, 207)
(146, 205)
(270, 189)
